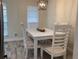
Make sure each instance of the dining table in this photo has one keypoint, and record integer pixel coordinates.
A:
(37, 35)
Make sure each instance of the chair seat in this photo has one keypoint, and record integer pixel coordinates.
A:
(30, 44)
(55, 52)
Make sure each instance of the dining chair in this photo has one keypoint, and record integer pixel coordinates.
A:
(59, 42)
(14, 48)
(28, 42)
(11, 50)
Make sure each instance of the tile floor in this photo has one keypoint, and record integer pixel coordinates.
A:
(16, 51)
(46, 56)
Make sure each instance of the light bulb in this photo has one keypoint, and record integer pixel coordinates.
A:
(42, 4)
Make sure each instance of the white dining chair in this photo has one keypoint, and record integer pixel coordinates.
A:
(59, 42)
(11, 50)
(28, 42)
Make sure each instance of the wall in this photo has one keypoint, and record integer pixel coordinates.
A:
(57, 11)
(61, 11)
(42, 18)
(72, 19)
(74, 22)
(17, 15)
(12, 17)
(51, 13)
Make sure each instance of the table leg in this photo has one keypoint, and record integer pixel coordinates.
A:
(35, 49)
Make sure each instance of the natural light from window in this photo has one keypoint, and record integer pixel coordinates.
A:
(32, 16)
(5, 21)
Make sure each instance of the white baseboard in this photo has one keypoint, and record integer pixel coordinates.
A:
(13, 39)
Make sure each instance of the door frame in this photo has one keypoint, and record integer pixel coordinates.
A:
(1, 32)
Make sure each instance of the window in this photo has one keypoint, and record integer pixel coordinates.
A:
(5, 21)
(32, 16)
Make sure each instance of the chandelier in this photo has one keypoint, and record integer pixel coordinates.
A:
(42, 4)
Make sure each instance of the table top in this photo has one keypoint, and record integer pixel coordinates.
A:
(36, 33)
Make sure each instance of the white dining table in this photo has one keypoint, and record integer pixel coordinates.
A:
(37, 35)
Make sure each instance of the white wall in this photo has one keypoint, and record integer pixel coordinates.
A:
(60, 10)
(74, 22)
(42, 18)
(17, 14)
(72, 18)
(57, 11)
(12, 17)
(51, 13)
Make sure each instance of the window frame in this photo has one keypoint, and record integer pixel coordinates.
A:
(35, 23)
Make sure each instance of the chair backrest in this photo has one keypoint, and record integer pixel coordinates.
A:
(24, 36)
(60, 38)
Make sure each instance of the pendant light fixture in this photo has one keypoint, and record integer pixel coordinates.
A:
(42, 4)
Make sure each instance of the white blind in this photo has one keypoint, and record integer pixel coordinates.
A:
(32, 14)
(5, 21)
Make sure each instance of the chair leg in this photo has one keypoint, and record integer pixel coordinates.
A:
(51, 56)
(26, 54)
(41, 54)
(64, 56)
